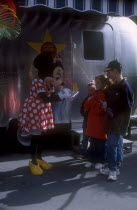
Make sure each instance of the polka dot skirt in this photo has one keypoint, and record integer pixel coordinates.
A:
(35, 114)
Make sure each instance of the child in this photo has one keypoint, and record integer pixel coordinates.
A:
(96, 122)
(84, 144)
(36, 115)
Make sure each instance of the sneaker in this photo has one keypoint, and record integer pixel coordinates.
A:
(112, 175)
(105, 171)
(99, 166)
(81, 157)
(89, 165)
(118, 171)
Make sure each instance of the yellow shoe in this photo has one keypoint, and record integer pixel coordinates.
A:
(44, 164)
(35, 169)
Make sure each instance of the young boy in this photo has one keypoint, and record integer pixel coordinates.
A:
(84, 144)
(120, 101)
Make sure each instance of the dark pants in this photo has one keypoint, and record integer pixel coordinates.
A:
(36, 148)
(85, 139)
(38, 143)
(97, 150)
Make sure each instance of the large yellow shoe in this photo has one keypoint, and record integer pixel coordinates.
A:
(44, 164)
(35, 169)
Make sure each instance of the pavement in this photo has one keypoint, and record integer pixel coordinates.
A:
(70, 185)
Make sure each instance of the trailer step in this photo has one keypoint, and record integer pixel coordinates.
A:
(76, 136)
(133, 120)
(127, 145)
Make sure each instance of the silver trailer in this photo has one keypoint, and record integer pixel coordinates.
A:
(87, 41)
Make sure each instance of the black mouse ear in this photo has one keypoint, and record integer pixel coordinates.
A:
(43, 61)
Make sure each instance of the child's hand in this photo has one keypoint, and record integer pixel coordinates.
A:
(104, 105)
(89, 98)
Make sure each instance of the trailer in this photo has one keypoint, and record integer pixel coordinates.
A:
(87, 41)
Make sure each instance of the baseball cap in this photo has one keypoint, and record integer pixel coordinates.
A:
(113, 65)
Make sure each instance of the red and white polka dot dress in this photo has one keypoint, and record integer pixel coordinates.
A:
(37, 115)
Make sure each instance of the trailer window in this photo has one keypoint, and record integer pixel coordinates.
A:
(41, 2)
(128, 7)
(93, 45)
(113, 5)
(97, 5)
(60, 3)
(79, 4)
(22, 2)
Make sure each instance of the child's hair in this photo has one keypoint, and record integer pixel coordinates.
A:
(104, 80)
(92, 82)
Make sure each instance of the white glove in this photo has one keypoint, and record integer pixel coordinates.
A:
(64, 93)
(73, 95)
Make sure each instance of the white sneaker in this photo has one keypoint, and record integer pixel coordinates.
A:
(99, 166)
(89, 165)
(118, 171)
(81, 157)
(112, 175)
(105, 171)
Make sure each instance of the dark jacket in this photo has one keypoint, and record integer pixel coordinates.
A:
(120, 100)
(84, 114)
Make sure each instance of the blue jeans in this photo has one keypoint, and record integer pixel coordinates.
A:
(114, 151)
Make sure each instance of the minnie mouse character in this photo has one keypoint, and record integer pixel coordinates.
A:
(36, 114)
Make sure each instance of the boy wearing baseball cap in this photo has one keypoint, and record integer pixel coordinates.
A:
(120, 101)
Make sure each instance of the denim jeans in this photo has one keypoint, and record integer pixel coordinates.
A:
(114, 151)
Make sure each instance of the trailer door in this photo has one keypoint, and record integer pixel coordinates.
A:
(92, 50)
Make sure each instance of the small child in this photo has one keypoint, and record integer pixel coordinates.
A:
(84, 144)
(96, 122)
